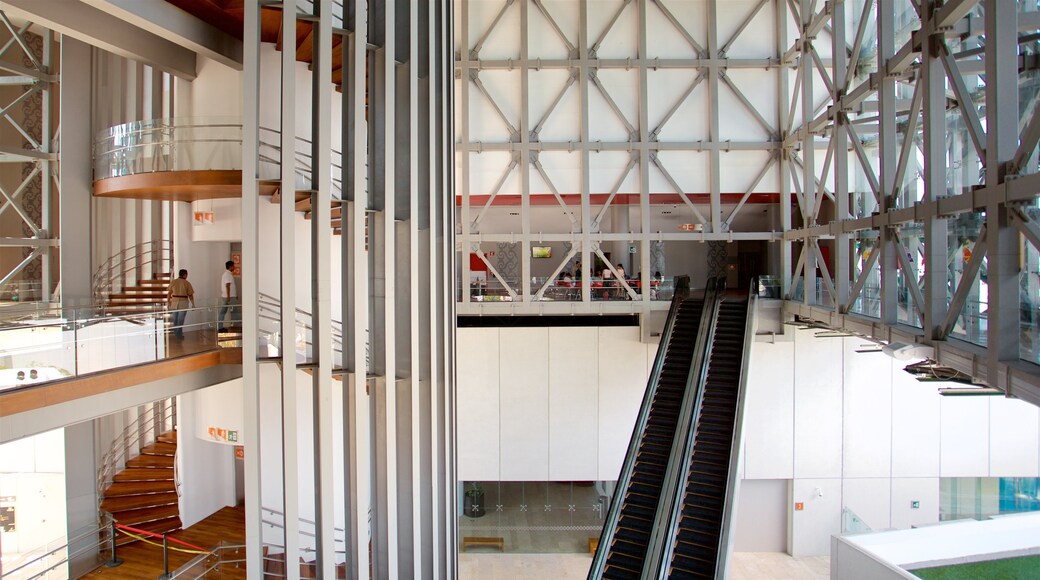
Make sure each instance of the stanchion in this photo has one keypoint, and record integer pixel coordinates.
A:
(165, 559)
(114, 561)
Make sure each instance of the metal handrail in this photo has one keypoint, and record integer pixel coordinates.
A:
(729, 509)
(96, 532)
(668, 507)
(144, 422)
(132, 133)
(670, 510)
(269, 304)
(682, 290)
(104, 279)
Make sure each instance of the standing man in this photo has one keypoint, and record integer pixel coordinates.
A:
(228, 295)
(177, 299)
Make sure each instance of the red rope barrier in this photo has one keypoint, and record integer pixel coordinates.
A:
(155, 535)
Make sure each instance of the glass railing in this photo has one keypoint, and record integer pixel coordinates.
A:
(852, 523)
(557, 290)
(45, 344)
(198, 144)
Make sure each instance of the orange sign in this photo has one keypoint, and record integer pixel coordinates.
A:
(240, 452)
(236, 257)
(690, 227)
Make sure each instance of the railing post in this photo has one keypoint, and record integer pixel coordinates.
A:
(114, 561)
(165, 559)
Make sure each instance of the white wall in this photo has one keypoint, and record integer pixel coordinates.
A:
(539, 404)
(842, 429)
(32, 480)
(855, 431)
(206, 468)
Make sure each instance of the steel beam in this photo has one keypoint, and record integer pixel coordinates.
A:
(167, 21)
(98, 28)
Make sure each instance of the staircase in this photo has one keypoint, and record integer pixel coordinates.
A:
(143, 494)
(147, 295)
(303, 204)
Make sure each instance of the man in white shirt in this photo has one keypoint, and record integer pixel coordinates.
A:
(228, 295)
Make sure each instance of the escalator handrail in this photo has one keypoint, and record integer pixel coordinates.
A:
(682, 291)
(666, 522)
(729, 510)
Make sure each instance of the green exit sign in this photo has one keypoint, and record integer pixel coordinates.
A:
(915, 505)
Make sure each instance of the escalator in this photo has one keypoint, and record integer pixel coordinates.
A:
(674, 503)
(698, 540)
(643, 493)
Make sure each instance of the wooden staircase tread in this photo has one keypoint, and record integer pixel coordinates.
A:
(129, 502)
(144, 474)
(168, 437)
(121, 488)
(160, 448)
(148, 514)
(151, 461)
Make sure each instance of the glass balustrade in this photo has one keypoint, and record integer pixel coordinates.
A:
(198, 144)
(39, 344)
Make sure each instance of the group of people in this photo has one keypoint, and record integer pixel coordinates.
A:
(181, 294)
(608, 287)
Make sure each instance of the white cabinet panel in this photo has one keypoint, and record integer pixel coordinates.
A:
(817, 405)
(623, 373)
(915, 425)
(964, 428)
(868, 412)
(477, 401)
(573, 404)
(524, 404)
(1014, 443)
(769, 412)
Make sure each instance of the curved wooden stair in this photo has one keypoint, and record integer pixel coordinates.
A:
(144, 495)
(141, 297)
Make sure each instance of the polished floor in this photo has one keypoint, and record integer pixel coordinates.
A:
(145, 561)
(141, 560)
(745, 566)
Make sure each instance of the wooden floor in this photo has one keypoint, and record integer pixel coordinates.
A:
(141, 561)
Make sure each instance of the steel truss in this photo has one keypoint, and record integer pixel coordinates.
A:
(707, 66)
(929, 179)
(33, 152)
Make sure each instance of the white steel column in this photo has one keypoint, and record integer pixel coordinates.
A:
(356, 326)
(288, 273)
(933, 83)
(250, 287)
(321, 282)
(1001, 24)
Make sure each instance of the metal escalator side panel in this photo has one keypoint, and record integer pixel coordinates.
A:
(671, 504)
(641, 495)
(729, 508)
(682, 287)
